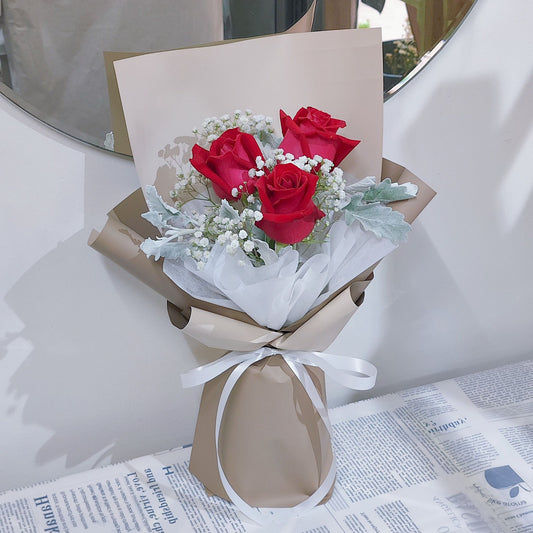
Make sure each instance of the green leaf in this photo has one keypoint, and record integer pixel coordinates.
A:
(360, 186)
(161, 213)
(386, 192)
(268, 138)
(155, 219)
(226, 211)
(258, 233)
(156, 203)
(377, 218)
(164, 247)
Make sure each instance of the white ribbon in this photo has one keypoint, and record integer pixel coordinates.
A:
(348, 371)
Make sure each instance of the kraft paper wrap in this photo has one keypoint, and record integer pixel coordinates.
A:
(118, 122)
(271, 432)
(274, 447)
(125, 230)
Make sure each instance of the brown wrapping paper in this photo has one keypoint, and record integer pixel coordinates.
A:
(316, 333)
(288, 449)
(274, 447)
(124, 231)
(283, 454)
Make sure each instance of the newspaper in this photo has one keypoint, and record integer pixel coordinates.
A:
(456, 455)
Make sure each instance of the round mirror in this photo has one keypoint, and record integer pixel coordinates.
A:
(56, 56)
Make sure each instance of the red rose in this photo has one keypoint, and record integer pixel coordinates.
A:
(227, 162)
(313, 132)
(310, 119)
(286, 194)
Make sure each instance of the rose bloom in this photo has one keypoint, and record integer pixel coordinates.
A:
(286, 194)
(313, 132)
(227, 161)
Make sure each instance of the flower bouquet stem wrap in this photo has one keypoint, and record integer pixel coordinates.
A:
(270, 232)
(288, 449)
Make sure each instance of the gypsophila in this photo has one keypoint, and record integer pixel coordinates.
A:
(246, 121)
(236, 231)
(228, 197)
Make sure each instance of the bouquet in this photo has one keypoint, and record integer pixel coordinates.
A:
(269, 225)
(263, 239)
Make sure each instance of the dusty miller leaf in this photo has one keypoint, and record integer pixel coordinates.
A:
(164, 247)
(156, 203)
(161, 213)
(226, 211)
(377, 218)
(386, 192)
(360, 186)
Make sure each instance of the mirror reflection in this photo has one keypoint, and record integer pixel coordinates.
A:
(52, 53)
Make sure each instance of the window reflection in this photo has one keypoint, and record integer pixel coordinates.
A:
(53, 59)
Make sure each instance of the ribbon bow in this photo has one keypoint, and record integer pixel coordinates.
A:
(223, 332)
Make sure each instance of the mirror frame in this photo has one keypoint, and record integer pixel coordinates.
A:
(30, 109)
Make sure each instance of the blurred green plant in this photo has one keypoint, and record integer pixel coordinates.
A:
(403, 57)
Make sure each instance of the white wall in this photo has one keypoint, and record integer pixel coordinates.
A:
(89, 364)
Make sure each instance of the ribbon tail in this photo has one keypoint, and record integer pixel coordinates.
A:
(350, 372)
(251, 512)
(275, 515)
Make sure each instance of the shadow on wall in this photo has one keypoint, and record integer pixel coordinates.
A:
(457, 297)
(414, 311)
(106, 389)
(465, 282)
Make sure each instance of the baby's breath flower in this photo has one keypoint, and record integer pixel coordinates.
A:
(327, 165)
(337, 173)
(232, 247)
(235, 229)
(247, 122)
